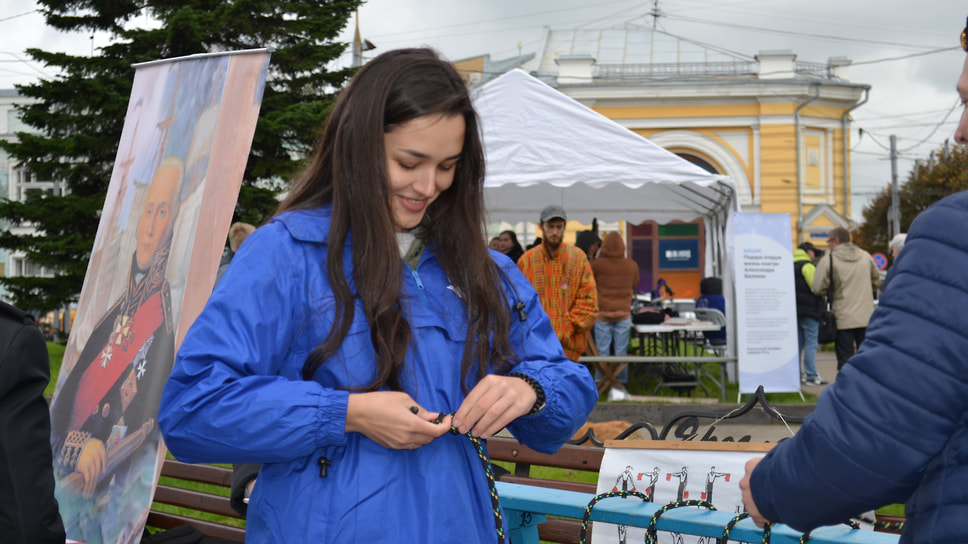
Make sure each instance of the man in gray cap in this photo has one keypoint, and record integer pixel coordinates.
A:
(561, 275)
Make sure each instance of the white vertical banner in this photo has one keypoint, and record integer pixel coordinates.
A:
(766, 314)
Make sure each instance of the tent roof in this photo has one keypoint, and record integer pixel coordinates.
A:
(543, 147)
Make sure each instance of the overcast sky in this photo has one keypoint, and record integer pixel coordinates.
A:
(892, 44)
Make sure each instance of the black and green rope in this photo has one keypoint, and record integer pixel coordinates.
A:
(486, 462)
(889, 526)
(729, 527)
(650, 531)
(591, 505)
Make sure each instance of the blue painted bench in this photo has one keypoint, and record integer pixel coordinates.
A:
(526, 506)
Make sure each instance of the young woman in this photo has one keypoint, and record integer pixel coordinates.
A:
(364, 309)
(512, 248)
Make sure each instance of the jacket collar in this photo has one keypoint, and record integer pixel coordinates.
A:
(312, 225)
(308, 225)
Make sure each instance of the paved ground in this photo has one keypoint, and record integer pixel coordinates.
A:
(827, 368)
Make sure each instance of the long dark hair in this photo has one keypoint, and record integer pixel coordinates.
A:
(348, 170)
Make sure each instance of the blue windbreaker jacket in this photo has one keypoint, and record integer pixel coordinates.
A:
(894, 426)
(236, 395)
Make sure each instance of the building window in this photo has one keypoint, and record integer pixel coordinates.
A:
(25, 268)
(672, 252)
(699, 161)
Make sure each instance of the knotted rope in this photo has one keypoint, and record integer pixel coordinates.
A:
(486, 462)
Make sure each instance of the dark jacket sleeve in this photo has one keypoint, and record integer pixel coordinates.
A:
(908, 380)
(242, 474)
(28, 510)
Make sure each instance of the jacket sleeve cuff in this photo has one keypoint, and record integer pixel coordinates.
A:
(331, 417)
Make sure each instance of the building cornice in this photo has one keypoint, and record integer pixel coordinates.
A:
(723, 122)
(730, 91)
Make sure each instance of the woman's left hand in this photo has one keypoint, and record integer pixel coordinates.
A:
(494, 402)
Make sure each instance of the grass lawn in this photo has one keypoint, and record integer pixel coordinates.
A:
(56, 352)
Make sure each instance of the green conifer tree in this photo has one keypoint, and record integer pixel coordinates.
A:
(79, 114)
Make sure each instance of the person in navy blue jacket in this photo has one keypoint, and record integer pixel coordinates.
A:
(365, 310)
(894, 426)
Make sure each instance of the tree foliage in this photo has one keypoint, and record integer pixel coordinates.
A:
(79, 114)
(929, 181)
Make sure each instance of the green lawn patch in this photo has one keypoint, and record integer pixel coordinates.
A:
(56, 352)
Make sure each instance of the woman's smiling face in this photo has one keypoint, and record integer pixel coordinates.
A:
(422, 157)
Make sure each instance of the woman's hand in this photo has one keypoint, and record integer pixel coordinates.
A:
(386, 417)
(90, 463)
(748, 502)
(494, 402)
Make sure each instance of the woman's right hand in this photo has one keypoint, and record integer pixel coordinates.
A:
(386, 417)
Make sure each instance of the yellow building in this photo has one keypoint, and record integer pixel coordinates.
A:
(779, 127)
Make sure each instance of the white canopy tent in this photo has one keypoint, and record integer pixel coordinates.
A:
(543, 147)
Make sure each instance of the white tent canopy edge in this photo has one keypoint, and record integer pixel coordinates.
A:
(543, 147)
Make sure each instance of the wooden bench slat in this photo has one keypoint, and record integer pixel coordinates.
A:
(565, 531)
(164, 520)
(209, 474)
(569, 456)
(581, 487)
(175, 493)
(195, 500)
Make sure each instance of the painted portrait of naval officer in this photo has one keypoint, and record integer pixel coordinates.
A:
(103, 431)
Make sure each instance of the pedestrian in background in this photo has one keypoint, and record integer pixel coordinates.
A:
(856, 279)
(809, 309)
(616, 277)
(510, 245)
(589, 242)
(564, 281)
(897, 244)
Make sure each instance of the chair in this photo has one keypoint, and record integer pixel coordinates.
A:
(713, 315)
(717, 303)
(715, 341)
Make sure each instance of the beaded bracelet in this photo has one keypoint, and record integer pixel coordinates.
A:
(539, 402)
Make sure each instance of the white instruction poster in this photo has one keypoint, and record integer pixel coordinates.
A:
(766, 305)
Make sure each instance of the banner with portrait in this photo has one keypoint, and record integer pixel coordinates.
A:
(176, 178)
